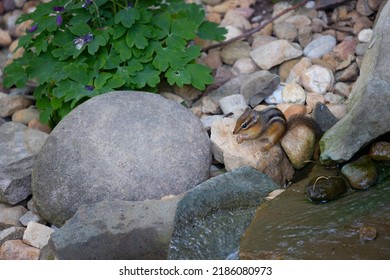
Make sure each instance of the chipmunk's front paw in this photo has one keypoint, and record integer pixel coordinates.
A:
(239, 139)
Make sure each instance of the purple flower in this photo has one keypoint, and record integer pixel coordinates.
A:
(58, 8)
(87, 3)
(79, 42)
(59, 20)
(89, 88)
(32, 28)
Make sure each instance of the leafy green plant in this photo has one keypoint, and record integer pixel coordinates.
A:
(75, 50)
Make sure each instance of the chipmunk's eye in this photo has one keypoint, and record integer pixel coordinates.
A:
(244, 125)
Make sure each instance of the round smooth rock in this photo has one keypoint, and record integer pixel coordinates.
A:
(123, 145)
(320, 46)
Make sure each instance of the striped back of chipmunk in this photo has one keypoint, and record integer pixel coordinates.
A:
(273, 115)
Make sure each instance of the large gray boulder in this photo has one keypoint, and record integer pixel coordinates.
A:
(369, 113)
(122, 145)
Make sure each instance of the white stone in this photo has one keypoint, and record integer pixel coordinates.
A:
(320, 46)
(274, 53)
(208, 120)
(365, 35)
(233, 104)
(37, 235)
(232, 32)
(317, 79)
(294, 93)
(276, 96)
(244, 65)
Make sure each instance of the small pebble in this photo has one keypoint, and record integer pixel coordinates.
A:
(367, 233)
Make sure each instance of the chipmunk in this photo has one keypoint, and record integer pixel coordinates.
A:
(269, 124)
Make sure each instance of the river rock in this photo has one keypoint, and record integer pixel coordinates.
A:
(235, 18)
(324, 117)
(273, 163)
(276, 96)
(37, 235)
(274, 53)
(233, 104)
(297, 70)
(17, 250)
(258, 86)
(360, 173)
(26, 115)
(312, 98)
(5, 38)
(320, 46)
(11, 104)
(365, 35)
(349, 74)
(244, 65)
(11, 233)
(355, 130)
(317, 79)
(9, 216)
(234, 51)
(298, 143)
(31, 216)
(324, 189)
(363, 8)
(109, 162)
(380, 151)
(294, 93)
(18, 142)
(117, 230)
(285, 30)
(15, 181)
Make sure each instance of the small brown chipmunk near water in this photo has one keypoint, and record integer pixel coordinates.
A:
(269, 124)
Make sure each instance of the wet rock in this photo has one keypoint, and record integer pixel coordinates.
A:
(117, 230)
(244, 65)
(380, 151)
(37, 235)
(25, 115)
(360, 173)
(273, 163)
(233, 104)
(324, 117)
(290, 228)
(286, 31)
(18, 142)
(294, 93)
(274, 53)
(320, 46)
(258, 86)
(11, 233)
(365, 35)
(17, 250)
(317, 79)
(234, 51)
(217, 207)
(15, 180)
(9, 216)
(11, 104)
(298, 143)
(367, 233)
(298, 70)
(324, 189)
(170, 157)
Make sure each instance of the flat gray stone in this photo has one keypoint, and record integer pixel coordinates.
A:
(15, 181)
(17, 141)
(121, 145)
(368, 108)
